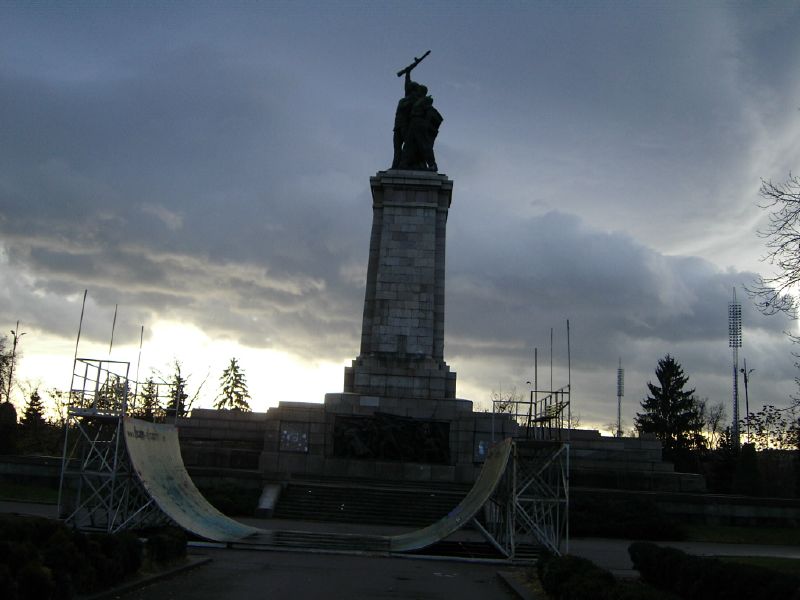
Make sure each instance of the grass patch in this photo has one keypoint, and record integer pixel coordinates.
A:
(789, 566)
(730, 534)
(27, 493)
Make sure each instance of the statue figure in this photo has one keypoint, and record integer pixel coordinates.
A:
(416, 124)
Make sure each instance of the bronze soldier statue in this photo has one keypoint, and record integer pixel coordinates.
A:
(416, 124)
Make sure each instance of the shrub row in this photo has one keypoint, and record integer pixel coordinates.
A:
(575, 578)
(42, 559)
(708, 578)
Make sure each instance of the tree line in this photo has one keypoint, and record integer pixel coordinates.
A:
(693, 439)
(40, 427)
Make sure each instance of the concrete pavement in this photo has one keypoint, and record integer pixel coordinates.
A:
(613, 554)
(249, 575)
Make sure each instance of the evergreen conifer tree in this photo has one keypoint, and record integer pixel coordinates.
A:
(177, 394)
(33, 427)
(233, 389)
(148, 407)
(671, 412)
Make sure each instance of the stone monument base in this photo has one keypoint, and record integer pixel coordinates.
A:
(392, 378)
(378, 437)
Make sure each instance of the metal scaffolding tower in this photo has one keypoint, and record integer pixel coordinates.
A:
(531, 502)
(98, 488)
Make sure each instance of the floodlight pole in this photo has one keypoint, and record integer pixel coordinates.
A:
(746, 374)
(620, 394)
(735, 342)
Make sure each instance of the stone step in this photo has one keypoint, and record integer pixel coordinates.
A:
(353, 504)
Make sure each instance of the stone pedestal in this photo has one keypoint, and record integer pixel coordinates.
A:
(402, 340)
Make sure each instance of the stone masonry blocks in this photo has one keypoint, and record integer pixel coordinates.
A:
(403, 319)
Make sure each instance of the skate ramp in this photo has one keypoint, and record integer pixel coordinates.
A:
(479, 494)
(155, 456)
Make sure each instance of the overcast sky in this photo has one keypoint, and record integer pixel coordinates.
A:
(206, 168)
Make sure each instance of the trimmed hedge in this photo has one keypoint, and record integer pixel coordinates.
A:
(708, 578)
(41, 559)
(575, 578)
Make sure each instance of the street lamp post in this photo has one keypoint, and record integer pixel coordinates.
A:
(746, 373)
(16, 335)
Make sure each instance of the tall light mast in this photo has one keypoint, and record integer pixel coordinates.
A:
(735, 342)
(620, 394)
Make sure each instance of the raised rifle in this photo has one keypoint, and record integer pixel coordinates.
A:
(410, 67)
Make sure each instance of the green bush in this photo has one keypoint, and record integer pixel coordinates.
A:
(708, 578)
(42, 559)
(34, 582)
(576, 578)
(568, 576)
(637, 590)
(8, 583)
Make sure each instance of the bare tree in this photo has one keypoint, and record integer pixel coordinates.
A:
(715, 418)
(777, 293)
(179, 402)
(505, 402)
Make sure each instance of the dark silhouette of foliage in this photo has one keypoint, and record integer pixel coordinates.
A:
(671, 412)
(773, 427)
(8, 428)
(148, 405)
(233, 389)
(43, 559)
(709, 578)
(575, 578)
(35, 433)
(176, 404)
(782, 239)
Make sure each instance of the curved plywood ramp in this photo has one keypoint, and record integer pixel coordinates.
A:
(155, 456)
(481, 492)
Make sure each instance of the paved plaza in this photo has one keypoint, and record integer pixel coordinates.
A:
(250, 575)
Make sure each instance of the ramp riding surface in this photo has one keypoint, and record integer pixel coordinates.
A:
(155, 455)
(156, 458)
(479, 494)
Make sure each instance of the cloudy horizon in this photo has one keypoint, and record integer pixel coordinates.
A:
(206, 168)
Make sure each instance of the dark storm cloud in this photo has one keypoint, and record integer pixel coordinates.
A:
(214, 170)
(526, 276)
(163, 189)
(511, 282)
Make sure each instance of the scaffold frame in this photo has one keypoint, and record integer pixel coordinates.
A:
(98, 488)
(531, 502)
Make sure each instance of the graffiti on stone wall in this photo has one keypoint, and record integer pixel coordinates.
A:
(294, 437)
(383, 436)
